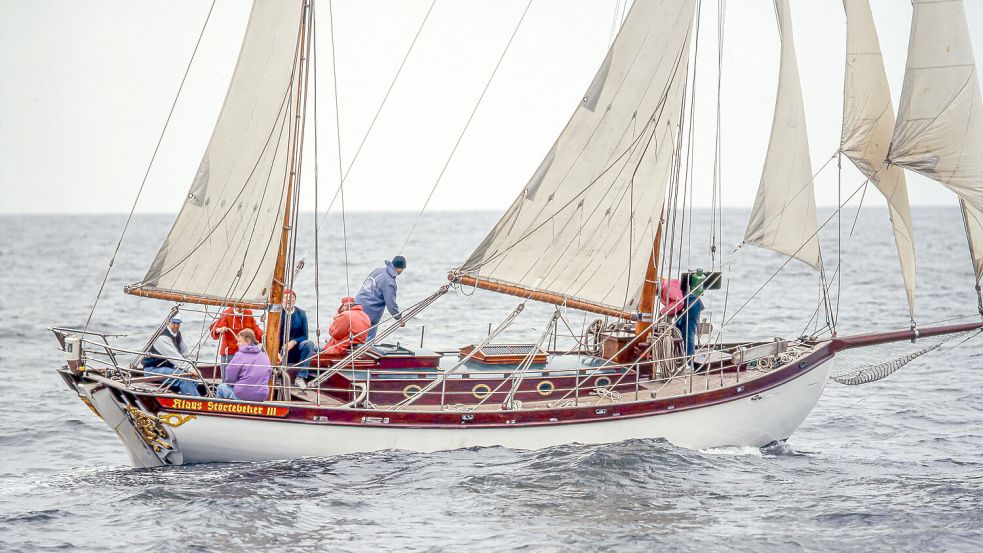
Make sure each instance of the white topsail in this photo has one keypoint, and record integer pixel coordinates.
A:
(223, 243)
(585, 224)
(868, 122)
(784, 215)
(939, 132)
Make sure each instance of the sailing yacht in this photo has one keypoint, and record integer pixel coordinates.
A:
(592, 231)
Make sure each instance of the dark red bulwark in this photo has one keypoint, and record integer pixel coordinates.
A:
(313, 414)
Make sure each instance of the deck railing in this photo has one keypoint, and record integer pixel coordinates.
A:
(373, 387)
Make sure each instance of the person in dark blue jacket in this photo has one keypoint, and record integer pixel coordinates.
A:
(378, 292)
(298, 349)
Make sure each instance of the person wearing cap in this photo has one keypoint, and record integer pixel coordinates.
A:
(378, 292)
(226, 330)
(164, 356)
(349, 328)
(298, 350)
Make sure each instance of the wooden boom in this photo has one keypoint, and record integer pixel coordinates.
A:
(198, 299)
(538, 295)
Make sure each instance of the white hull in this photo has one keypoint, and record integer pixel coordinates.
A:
(756, 421)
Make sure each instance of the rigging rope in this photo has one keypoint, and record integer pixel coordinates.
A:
(349, 360)
(466, 125)
(442, 379)
(341, 176)
(375, 118)
(791, 257)
(150, 165)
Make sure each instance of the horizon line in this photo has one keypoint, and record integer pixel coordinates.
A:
(414, 212)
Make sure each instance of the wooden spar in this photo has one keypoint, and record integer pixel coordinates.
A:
(271, 340)
(181, 297)
(877, 338)
(538, 295)
(646, 302)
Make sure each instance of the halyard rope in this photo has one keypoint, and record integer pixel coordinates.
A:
(150, 165)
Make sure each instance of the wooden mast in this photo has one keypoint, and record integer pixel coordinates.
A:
(647, 300)
(271, 338)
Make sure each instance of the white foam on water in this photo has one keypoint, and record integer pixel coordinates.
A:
(733, 450)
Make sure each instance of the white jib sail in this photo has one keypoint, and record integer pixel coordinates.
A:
(868, 123)
(224, 241)
(783, 218)
(939, 132)
(973, 219)
(585, 224)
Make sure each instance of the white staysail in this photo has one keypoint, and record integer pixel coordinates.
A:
(783, 218)
(585, 224)
(868, 123)
(224, 242)
(939, 132)
(973, 219)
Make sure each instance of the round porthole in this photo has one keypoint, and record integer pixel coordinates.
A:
(545, 388)
(411, 391)
(481, 391)
(602, 382)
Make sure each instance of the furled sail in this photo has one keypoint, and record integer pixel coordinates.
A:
(584, 225)
(783, 218)
(939, 132)
(868, 122)
(223, 244)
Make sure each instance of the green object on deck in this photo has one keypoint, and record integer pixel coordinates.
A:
(696, 280)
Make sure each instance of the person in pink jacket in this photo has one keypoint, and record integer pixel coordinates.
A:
(248, 375)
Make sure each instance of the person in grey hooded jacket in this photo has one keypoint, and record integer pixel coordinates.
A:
(378, 292)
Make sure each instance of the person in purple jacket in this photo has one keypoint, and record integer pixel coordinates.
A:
(248, 375)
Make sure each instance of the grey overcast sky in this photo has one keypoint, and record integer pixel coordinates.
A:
(85, 88)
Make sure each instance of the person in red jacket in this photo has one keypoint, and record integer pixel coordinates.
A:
(350, 327)
(227, 328)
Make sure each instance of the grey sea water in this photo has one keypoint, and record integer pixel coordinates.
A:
(896, 465)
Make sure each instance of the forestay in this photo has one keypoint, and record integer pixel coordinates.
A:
(223, 244)
(585, 224)
(868, 122)
(940, 121)
(783, 218)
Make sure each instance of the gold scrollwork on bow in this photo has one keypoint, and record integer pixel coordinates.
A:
(174, 420)
(149, 428)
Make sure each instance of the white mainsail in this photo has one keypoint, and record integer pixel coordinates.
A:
(939, 132)
(783, 218)
(224, 242)
(868, 123)
(585, 224)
